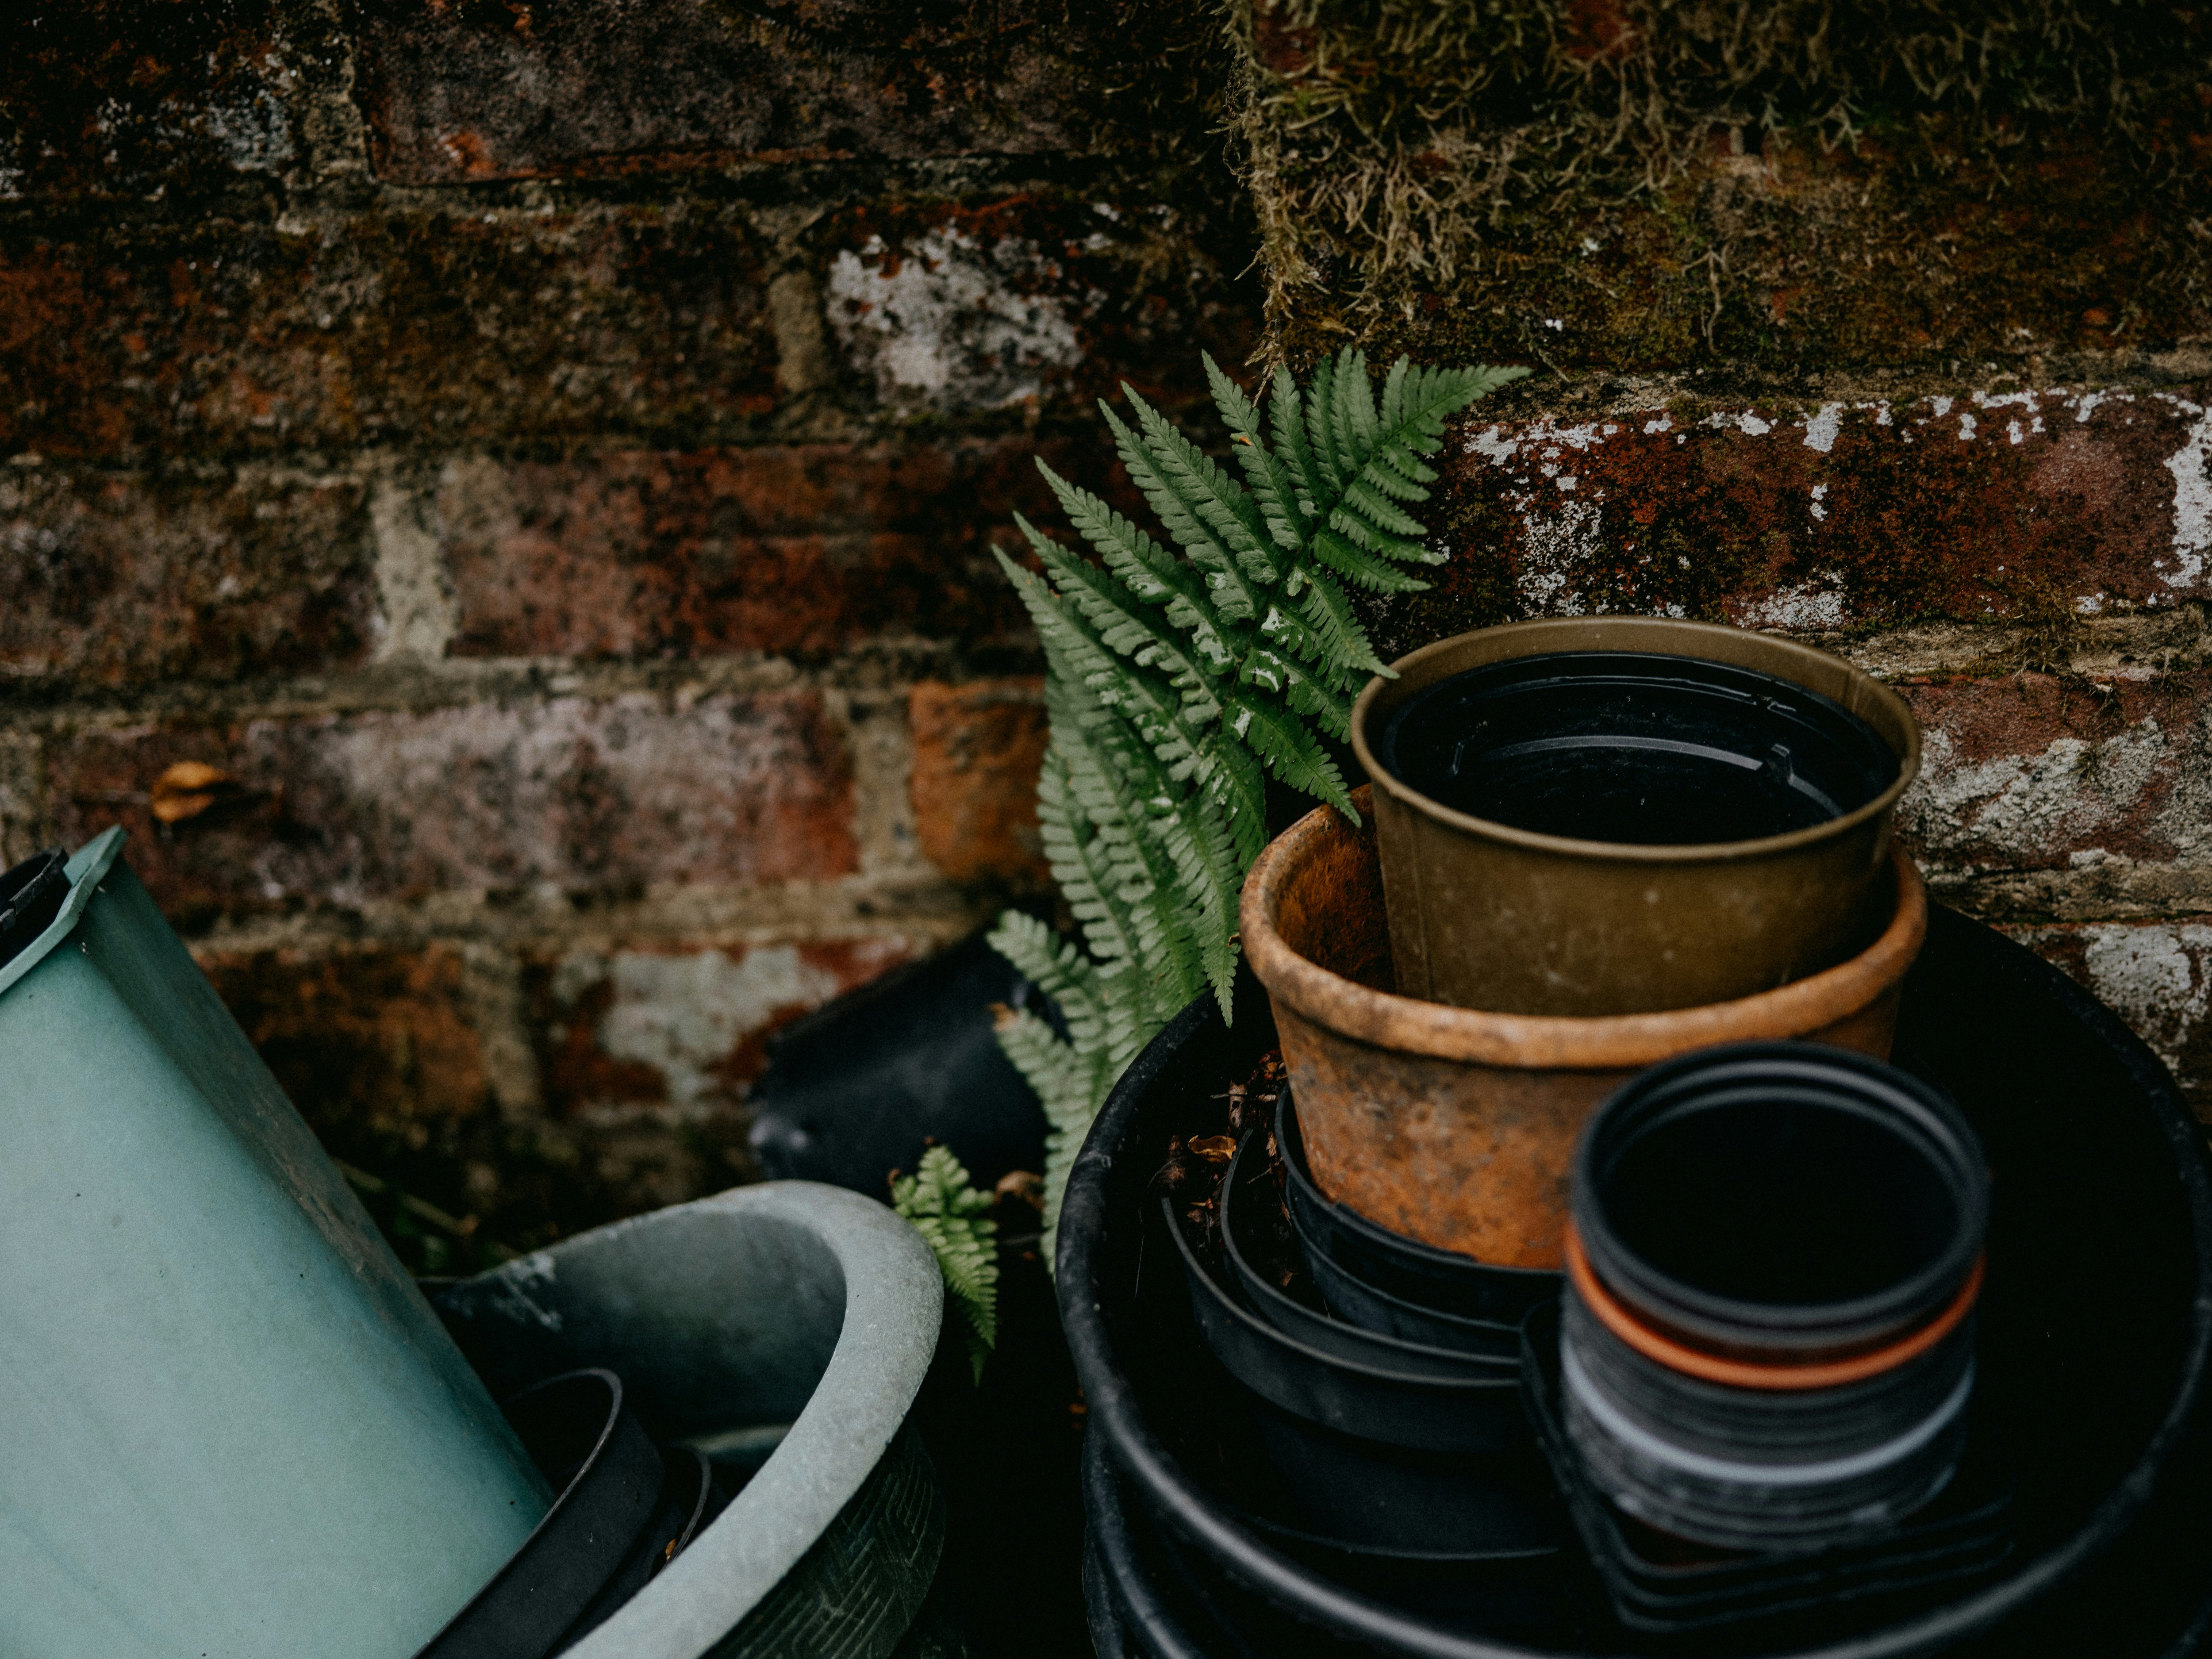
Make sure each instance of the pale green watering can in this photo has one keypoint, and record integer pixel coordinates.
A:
(230, 1425)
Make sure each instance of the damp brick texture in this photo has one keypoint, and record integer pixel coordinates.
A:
(498, 500)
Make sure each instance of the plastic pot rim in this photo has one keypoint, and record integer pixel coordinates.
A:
(1650, 635)
(1254, 1282)
(1472, 1388)
(486, 1619)
(1451, 1262)
(1874, 1092)
(1558, 1042)
(1114, 1412)
(83, 869)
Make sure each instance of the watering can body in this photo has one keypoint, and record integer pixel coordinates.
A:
(233, 1427)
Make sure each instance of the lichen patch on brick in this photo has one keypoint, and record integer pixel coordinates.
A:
(951, 323)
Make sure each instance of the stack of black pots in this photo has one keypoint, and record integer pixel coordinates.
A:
(1307, 1434)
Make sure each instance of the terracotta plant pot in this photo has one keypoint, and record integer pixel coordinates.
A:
(1597, 815)
(1457, 1127)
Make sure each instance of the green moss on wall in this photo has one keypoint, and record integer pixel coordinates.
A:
(1656, 182)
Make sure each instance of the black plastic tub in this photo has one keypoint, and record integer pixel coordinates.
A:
(1767, 1339)
(1636, 748)
(1652, 1585)
(1390, 1283)
(2095, 1322)
(1241, 1193)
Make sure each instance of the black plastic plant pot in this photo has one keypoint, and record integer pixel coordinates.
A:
(1781, 1202)
(854, 1090)
(1387, 1282)
(610, 1477)
(1147, 1586)
(2094, 1326)
(690, 1499)
(1246, 1190)
(1636, 749)
(1767, 1339)
(1653, 1585)
(1479, 1411)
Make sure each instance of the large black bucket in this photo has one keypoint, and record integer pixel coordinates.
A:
(2094, 1324)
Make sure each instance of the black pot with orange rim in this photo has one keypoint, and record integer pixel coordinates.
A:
(1767, 1340)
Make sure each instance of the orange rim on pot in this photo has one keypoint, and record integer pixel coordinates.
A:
(1663, 1350)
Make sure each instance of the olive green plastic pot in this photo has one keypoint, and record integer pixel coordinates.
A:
(1488, 916)
(784, 1329)
(233, 1425)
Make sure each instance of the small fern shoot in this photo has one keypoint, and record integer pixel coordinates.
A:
(941, 1205)
(1179, 679)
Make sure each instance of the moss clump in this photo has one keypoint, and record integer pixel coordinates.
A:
(1417, 157)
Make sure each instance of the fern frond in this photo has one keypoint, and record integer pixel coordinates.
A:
(1356, 565)
(1231, 512)
(940, 1204)
(1116, 610)
(1179, 677)
(1289, 750)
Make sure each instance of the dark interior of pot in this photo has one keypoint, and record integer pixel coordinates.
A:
(1791, 1201)
(1636, 748)
(31, 896)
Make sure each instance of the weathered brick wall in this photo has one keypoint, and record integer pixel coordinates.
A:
(1851, 321)
(539, 462)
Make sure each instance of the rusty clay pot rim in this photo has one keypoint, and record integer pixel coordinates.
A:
(1556, 1042)
(1661, 630)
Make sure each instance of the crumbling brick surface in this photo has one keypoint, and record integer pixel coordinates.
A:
(498, 498)
(111, 579)
(801, 549)
(497, 501)
(976, 750)
(589, 797)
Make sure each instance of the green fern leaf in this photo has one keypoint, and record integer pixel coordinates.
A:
(1356, 565)
(1179, 677)
(1289, 750)
(940, 1204)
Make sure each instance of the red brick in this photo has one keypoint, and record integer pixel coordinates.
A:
(2031, 772)
(2157, 976)
(805, 549)
(1928, 507)
(101, 97)
(976, 752)
(115, 580)
(476, 92)
(580, 796)
(650, 1051)
(441, 327)
(1972, 508)
(375, 1046)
